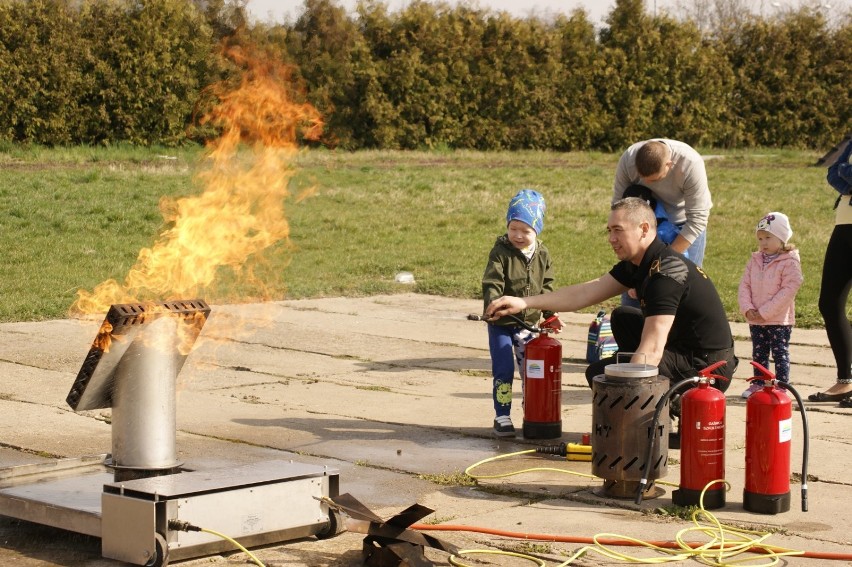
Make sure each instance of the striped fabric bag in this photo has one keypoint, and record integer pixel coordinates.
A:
(600, 343)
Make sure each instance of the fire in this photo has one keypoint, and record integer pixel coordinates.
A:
(240, 212)
(103, 340)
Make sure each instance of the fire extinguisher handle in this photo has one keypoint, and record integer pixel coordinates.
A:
(708, 372)
(766, 374)
(552, 323)
(518, 320)
(524, 324)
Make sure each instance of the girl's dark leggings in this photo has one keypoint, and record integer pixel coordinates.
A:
(833, 294)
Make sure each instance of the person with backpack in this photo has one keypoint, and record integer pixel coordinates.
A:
(675, 174)
(667, 231)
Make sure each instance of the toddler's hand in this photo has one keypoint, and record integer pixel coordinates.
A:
(553, 323)
(753, 316)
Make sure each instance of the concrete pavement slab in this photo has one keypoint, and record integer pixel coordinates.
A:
(394, 392)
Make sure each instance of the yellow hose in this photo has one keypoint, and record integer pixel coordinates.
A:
(468, 470)
(254, 559)
(723, 548)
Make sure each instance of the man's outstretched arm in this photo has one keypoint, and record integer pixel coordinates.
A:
(569, 298)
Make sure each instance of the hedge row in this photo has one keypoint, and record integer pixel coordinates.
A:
(432, 75)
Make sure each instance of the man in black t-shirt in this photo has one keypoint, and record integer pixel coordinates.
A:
(681, 327)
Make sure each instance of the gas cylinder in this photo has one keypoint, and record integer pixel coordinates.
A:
(702, 447)
(769, 432)
(543, 384)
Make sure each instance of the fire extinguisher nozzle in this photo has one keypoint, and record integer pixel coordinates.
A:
(804, 500)
(560, 450)
(641, 490)
(571, 451)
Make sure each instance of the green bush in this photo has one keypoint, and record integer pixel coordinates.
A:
(41, 72)
(432, 75)
(150, 59)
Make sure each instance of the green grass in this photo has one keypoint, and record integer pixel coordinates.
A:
(76, 217)
(449, 479)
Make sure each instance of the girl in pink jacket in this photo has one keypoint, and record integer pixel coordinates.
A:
(767, 296)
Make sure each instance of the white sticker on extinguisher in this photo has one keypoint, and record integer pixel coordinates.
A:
(535, 369)
(785, 430)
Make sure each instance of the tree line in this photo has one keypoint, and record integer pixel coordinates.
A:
(433, 75)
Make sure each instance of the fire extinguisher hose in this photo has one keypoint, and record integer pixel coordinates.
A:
(661, 403)
(805, 443)
(805, 430)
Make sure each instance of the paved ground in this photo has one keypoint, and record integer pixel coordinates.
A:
(393, 391)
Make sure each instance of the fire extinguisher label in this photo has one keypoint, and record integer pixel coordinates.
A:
(535, 369)
(785, 430)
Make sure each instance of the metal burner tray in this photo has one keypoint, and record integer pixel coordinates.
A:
(255, 504)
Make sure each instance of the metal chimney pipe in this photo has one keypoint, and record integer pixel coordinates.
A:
(132, 367)
(144, 419)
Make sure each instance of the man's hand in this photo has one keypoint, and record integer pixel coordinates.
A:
(680, 244)
(505, 305)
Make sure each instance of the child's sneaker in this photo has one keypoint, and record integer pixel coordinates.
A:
(754, 387)
(503, 426)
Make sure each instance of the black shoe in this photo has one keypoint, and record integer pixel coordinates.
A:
(823, 397)
(503, 426)
(674, 406)
(674, 439)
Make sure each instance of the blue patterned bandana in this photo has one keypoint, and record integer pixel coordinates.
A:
(528, 207)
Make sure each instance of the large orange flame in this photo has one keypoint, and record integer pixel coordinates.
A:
(241, 210)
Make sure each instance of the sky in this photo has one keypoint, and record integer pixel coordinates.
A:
(282, 9)
(286, 10)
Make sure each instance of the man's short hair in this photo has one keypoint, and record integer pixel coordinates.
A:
(651, 158)
(637, 210)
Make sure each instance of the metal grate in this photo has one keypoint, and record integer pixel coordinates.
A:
(92, 389)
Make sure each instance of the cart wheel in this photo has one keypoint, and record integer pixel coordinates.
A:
(333, 527)
(161, 555)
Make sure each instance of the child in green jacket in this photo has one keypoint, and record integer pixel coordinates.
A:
(518, 265)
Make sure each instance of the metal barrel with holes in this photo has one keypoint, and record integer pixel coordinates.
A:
(624, 400)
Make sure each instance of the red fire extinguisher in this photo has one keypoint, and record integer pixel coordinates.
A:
(543, 383)
(702, 440)
(702, 443)
(542, 379)
(769, 434)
